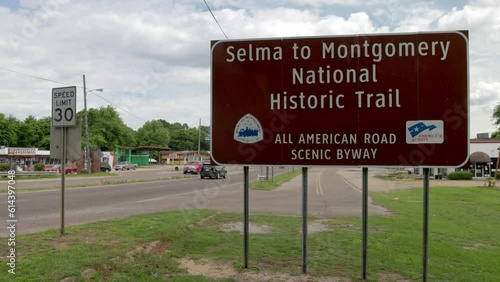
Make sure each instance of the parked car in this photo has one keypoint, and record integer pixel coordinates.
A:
(68, 169)
(125, 165)
(193, 167)
(105, 167)
(213, 171)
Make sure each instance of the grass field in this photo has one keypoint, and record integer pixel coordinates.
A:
(464, 244)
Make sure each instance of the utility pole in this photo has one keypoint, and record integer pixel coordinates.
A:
(87, 151)
(88, 159)
(199, 140)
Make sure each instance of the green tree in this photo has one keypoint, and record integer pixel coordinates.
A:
(107, 129)
(185, 138)
(153, 133)
(496, 121)
(34, 132)
(43, 133)
(8, 130)
(181, 140)
(27, 132)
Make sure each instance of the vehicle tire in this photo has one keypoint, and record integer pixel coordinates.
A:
(202, 177)
(116, 169)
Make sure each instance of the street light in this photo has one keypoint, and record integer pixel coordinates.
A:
(88, 161)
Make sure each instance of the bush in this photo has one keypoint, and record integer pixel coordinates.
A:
(39, 167)
(4, 167)
(460, 175)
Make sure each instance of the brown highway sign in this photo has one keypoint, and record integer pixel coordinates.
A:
(362, 100)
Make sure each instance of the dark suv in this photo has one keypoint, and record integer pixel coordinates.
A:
(212, 171)
(105, 167)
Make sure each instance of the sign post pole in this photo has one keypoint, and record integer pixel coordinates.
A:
(304, 220)
(63, 175)
(425, 228)
(245, 214)
(365, 223)
(63, 115)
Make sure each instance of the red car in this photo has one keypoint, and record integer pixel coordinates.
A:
(193, 167)
(69, 169)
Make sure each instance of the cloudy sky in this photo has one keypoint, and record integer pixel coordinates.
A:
(152, 57)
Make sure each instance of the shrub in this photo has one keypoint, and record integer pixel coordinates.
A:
(39, 167)
(4, 167)
(460, 175)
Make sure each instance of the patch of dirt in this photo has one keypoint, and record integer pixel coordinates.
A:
(88, 273)
(220, 270)
(201, 221)
(312, 227)
(252, 228)
(391, 277)
(60, 245)
(156, 248)
(318, 226)
(476, 246)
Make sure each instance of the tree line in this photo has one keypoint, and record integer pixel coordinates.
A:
(106, 132)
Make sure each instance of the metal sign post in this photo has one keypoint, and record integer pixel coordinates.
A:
(365, 223)
(304, 220)
(245, 214)
(425, 228)
(63, 175)
(63, 116)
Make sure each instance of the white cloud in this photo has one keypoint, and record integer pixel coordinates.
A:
(152, 57)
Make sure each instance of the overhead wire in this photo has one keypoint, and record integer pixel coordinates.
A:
(34, 76)
(213, 16)
(64, 83)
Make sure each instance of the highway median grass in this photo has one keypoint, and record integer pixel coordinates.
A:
(276, 181)
(464, 244)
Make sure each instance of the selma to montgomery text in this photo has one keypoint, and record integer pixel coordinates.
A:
(329, 74)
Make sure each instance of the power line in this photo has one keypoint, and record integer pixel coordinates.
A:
(119, 107)
(213, 16)
(64, 83)
(34, 76)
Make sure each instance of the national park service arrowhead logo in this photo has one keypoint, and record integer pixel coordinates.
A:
(248, 130)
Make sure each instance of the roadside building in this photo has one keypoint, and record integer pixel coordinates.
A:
(139, 155)
(182, 157)
(483, 158)
(23, 158)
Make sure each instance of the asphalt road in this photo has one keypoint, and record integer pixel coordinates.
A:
(328, 195)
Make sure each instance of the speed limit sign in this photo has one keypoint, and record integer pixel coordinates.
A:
(64, 106)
